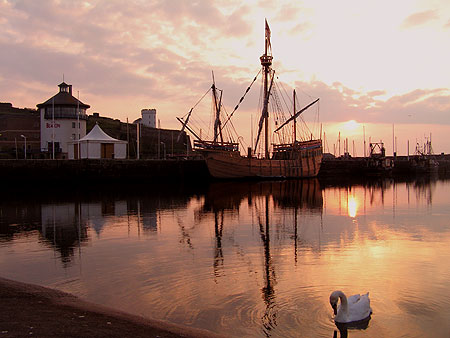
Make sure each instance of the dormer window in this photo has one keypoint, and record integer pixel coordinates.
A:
(64, 88)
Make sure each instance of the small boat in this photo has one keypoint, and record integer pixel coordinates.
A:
(292, 159)
(423, 161)
(377, 164)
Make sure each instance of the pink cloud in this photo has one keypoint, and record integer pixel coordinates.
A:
(420, 18)
(153, 51)
(339, 103)
(447, 25)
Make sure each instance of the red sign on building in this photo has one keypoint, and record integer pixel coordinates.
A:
(50, 125)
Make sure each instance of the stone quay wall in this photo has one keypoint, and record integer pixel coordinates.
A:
(103, 170)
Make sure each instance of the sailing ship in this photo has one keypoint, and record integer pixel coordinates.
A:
(294, 159)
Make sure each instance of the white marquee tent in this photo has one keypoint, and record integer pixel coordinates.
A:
(97, 144)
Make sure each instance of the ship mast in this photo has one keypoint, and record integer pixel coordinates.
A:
(217, 105)
(266, 62)
(295, 124)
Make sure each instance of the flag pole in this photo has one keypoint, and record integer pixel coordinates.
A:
(53, 128)
(77, 137)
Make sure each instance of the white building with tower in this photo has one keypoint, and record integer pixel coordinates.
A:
(149, 117)
(63, 120)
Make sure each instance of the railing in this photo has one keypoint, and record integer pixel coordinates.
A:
(211, 145)
(304, 145)
(64, 115)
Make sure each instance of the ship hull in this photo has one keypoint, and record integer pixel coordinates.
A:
(226, 164)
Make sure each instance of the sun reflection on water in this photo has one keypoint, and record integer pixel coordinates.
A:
(352, 206)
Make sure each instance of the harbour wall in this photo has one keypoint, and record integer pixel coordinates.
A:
(53, 172)
(356, 166)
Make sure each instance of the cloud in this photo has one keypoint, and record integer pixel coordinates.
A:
(338, 103)
(425, 106)
(145, 47)
(420, 18)
(447, 25)
(376, 93)
(123, 57)
(287, 12)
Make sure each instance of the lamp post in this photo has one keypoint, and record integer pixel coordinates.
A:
(25, 145)
(164, 148)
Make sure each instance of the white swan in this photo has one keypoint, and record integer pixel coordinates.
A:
(352, 309)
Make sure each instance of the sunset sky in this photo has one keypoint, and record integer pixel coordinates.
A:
(379, 63)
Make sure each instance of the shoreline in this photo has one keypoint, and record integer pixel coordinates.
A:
(33, 310)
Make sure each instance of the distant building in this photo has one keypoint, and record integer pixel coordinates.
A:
(67, 122)
(16, 126)
(148, 118)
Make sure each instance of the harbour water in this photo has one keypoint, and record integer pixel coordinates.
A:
(244, 259)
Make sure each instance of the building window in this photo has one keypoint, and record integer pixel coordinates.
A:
(50, 146)
(73, 124)
(65, 113)
(73, 137)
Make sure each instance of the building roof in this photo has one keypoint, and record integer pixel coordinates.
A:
(63, 98)
(98, 135)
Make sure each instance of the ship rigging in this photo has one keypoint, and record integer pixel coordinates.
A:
(287, 158)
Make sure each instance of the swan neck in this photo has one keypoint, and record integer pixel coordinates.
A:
(344, 303)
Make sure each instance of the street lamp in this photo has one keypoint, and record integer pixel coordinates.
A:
(25, 145)
(164, 147)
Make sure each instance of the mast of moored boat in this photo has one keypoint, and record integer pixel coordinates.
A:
(217, 104)
(295, 125)
(266, 62)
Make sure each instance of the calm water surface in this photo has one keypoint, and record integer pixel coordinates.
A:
(253, 259)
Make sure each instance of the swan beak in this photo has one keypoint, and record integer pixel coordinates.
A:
(334, 306)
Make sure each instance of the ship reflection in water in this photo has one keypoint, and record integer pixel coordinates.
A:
(253, 259)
